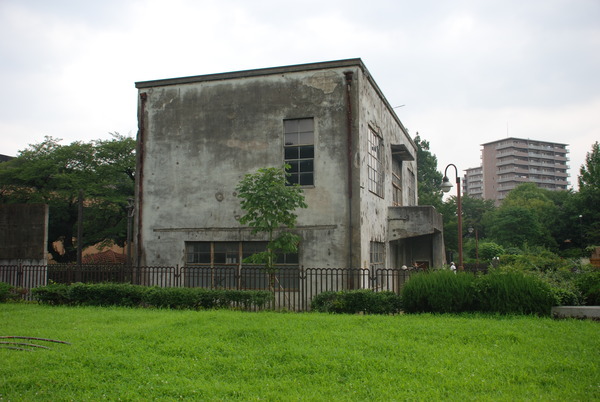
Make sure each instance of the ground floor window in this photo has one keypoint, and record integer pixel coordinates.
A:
(377, 255)
(220, 265)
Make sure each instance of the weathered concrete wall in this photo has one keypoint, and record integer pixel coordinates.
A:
(376, 114)
(202, 137)
(23, 233)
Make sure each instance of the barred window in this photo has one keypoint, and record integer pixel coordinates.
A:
(374, 163)
(299, 150)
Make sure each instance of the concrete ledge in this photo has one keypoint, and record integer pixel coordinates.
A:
(590, 312)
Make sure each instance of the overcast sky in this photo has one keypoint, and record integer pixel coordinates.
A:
(467, 72)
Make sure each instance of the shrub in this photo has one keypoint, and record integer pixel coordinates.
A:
(588, 282)
(106, 294)
(513, 292)
(563, 285)
(357, 301)
(489, 250)
(439, 291)
(55, 294)
(10, 293)
(5, 290)
(127, 295)
(174, 298)
(535, 259)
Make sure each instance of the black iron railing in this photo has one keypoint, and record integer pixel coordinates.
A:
(293, 286)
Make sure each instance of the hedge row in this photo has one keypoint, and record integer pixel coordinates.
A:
(127, 295)
(357, 301)
(505, 292)
(9, 292)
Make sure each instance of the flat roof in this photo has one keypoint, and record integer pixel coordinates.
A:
(325, 65)
(524, 139)
(255, 73)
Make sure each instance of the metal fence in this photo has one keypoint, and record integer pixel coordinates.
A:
(293, 287)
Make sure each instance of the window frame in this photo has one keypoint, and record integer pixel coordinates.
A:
(376, 255)
(375, 173)
(239, 275)
(302, 164)
(396, 182)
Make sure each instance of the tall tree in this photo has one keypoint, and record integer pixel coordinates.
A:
(270, 206)
(516, 226)
(525, 217)
(589, 196)
(429, 179)
(53, 174)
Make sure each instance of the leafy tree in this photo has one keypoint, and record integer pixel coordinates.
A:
(534, 213)
(428, 178)
(566, 228)
(270, 204)
(53, 174)
(474, 209)
(489, 250)
(515, 226)
(589, 196)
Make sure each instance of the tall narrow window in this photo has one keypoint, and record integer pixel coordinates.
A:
(377, 254)
(299, 150)
(396, 182)
(374, 163)
(412, 187)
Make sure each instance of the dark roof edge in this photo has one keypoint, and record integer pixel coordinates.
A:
(356, 62)
(253, 73)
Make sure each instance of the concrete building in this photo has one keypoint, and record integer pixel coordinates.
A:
(473, 182)
(509, 162)
(330, 121)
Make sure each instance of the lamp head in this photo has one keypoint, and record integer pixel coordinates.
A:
(446, 185)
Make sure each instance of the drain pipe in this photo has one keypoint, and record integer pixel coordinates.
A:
(349, 116)
(140, 174)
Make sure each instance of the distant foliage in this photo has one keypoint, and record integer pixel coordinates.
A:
(53, 174)
(357, 301)
(489, 250)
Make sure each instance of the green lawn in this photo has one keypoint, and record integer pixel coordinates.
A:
(143, 354)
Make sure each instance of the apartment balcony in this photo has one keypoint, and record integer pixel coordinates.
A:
(511, 161)
(544, 147)
(513, 169)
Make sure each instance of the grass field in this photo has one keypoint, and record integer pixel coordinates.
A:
(143, 354)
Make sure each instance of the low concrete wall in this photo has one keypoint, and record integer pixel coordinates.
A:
(590, 312)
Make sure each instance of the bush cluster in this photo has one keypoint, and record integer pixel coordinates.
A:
(440, 291)
(10, 293)
(357, 301)
(127, 295)
(589, 284)
(500, 291)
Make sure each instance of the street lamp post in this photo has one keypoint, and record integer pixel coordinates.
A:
(446, 187)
